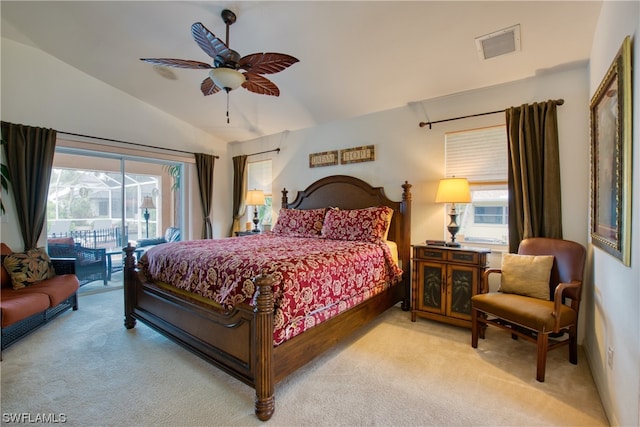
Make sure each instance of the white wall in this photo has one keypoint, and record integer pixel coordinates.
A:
(404, 151)
(614, 314)
(39, 90)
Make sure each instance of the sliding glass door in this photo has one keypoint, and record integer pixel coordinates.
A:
(104, 201)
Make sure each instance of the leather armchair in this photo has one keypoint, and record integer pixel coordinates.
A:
(535, 319)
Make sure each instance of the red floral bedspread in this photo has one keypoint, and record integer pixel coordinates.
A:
(317, 278)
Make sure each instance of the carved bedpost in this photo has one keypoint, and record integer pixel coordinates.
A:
(406, 247)
(285, 201)
(129, 286)
(265, 388)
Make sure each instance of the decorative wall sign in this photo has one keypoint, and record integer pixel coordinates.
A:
(358, 154)
(326, 158)
(611, 158)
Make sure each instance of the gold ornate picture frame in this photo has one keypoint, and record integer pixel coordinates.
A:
(611, 172)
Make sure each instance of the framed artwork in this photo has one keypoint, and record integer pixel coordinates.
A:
(611, 139)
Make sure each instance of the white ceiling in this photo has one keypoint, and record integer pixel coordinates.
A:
(356, 57)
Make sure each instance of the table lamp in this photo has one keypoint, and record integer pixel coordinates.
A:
(453, 190)
(255, 198)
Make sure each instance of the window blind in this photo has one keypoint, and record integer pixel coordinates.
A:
(480, 155)
(259, 176)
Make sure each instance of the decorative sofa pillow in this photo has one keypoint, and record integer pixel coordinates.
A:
(299, 222)
(526, 275)
(369, 224)
(61, 241)
(28, 268)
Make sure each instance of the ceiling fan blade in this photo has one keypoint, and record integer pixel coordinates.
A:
(266, 63)
(179, 63)
(212, 45)
(259, 84)
(208, 87)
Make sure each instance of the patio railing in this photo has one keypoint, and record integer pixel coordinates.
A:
(98, 238)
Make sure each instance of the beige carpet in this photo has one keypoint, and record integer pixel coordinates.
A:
(86, 366)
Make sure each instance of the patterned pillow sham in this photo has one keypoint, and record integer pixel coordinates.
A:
(299, 222)
(369, 224)
(28, 268)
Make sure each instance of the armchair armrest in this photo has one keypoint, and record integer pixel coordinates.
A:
(64, 265)
(485, 278)
(558, 298)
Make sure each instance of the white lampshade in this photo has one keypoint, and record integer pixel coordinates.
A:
(147, 203)
(227, 78)
(255, 198)
(453, 190)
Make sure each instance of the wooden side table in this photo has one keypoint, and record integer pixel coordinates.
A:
(443, 281)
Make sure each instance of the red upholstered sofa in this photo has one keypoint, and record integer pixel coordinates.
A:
(24, 310)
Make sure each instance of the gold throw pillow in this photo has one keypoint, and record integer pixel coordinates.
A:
(526, 275)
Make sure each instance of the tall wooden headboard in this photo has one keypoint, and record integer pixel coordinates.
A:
(347, 192)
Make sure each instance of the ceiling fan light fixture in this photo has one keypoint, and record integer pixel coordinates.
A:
(227, 78)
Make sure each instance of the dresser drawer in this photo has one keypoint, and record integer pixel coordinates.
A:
(463, 257)
(431, 253)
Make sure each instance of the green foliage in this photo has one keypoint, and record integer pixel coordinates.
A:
(174, 172)
(4, 178)
(72, 206)
(264, 212)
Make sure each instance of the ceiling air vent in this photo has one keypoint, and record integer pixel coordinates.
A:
(499, 43)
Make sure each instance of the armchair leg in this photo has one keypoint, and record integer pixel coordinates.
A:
(543, 346)
(573, 345)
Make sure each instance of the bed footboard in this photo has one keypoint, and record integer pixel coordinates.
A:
(238, 341)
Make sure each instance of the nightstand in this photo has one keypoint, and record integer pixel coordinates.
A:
(443, 281)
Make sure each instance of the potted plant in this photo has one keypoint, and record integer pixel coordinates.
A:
(4, 179)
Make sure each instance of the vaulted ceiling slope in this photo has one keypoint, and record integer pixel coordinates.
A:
(356, 57)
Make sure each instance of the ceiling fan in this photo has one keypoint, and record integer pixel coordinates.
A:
(224, 74)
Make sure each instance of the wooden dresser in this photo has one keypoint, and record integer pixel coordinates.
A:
(443, 281)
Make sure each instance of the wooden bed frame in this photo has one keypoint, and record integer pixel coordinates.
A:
(240, 341)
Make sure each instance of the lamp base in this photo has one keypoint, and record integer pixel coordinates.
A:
(453, 229)
(255, 221)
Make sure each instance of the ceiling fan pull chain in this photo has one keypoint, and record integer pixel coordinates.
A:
(227, 107)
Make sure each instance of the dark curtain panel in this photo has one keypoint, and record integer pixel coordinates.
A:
(239, 191)
(534, 173)
(204, 166)
(29, 151)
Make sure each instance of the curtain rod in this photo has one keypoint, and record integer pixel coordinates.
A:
(264, 152)
(129, 143)
(423, 124)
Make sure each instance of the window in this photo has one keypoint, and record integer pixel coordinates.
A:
(480, 155)
(489, 215)
(96, 198)
(259, 177)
